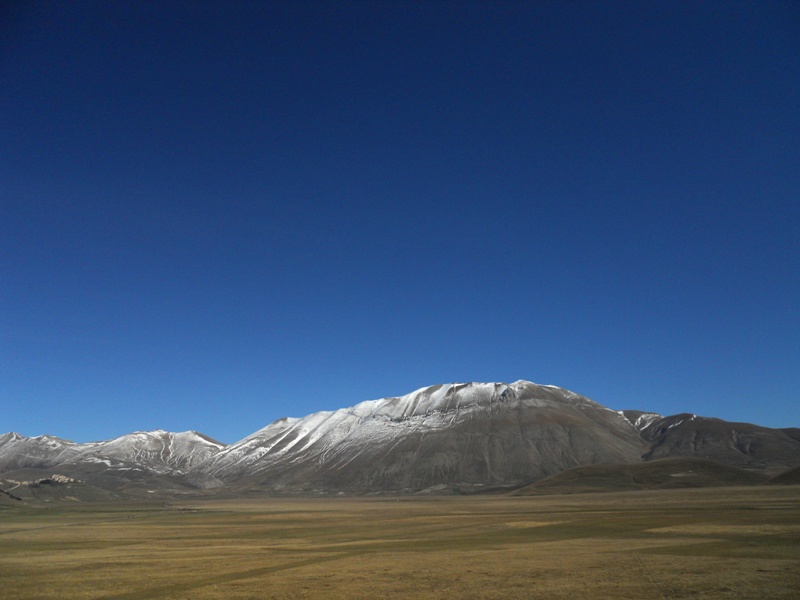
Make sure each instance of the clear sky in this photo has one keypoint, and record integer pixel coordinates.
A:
(217, 214)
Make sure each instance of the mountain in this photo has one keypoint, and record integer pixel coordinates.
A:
(18, 452)
(736, 444)
(153, 459)
(466, 437)
(160, 450)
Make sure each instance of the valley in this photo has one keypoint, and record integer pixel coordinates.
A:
(732, 542)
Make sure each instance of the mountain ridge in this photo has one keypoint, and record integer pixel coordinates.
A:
(466, 436)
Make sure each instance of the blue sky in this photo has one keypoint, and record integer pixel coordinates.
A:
(218, 214)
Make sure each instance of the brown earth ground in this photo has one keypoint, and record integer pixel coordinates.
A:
(697, 543)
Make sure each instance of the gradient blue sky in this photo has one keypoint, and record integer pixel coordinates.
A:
(218, 214)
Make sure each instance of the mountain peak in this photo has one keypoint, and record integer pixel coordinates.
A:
(449, 397)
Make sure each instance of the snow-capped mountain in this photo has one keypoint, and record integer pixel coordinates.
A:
(160, 450)
(466, 436)
(19, 452)
(145, 458)
(473, 434)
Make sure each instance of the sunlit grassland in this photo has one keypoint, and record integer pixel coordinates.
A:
(700, 543)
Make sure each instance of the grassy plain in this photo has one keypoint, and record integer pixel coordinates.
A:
(696, 543)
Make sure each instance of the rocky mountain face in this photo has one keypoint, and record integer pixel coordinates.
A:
(466, 437)
(735, 444)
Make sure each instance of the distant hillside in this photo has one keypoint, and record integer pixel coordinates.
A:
(667, 473)
(738, 444)
(790, 477)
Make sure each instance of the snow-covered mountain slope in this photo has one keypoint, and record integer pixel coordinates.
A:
(20, 452)
(640, 419)
(469, 434)
(158, 451)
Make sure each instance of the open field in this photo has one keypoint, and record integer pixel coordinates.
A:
(697, 543)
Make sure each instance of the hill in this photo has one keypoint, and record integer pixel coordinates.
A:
(667, 473)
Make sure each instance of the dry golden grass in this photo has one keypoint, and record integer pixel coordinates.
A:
(701, 543)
